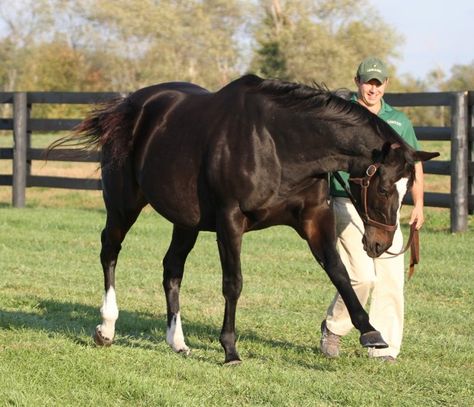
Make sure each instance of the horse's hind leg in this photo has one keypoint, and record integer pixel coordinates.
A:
(124, 203)
(182, 242)
(112, 237)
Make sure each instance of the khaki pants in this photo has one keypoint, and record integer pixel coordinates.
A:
(383, 276)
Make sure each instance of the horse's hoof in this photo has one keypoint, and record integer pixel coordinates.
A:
(373, 339)
(101, 340)
(234, 362)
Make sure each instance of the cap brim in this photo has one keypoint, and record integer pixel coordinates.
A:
(373, 75)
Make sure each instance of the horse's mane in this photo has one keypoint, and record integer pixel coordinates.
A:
(315, 98)
(328, 105)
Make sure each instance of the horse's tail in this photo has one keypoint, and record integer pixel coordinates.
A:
(109, 126)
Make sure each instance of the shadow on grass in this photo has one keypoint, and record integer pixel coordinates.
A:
(73, 320)
(142, 330)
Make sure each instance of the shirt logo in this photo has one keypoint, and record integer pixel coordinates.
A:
(396, 123)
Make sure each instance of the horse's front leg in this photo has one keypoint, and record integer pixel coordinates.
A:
(229, 230)
(318, 228)
(182, 243)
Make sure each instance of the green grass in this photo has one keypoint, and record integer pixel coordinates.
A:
(51, 289)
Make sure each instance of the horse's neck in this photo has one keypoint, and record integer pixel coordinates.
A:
(327, 147)
(352, 159)
(348, 152)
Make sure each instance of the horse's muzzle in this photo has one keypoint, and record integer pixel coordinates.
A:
(375, 247)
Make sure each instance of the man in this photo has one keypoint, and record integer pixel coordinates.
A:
(382, 277)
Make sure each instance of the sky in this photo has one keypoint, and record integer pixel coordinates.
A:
(437, 33)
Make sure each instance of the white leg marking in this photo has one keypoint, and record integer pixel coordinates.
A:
(109, 312)
(175, 337)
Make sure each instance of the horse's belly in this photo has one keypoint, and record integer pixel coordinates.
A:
(176, 204)
(173, 192)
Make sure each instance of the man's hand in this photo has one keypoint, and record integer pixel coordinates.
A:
(417, 217)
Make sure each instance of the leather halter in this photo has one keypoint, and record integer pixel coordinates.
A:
(413, 242)
(364, 183)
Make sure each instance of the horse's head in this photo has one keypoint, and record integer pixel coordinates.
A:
(379, 193)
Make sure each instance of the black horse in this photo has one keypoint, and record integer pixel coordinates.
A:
(252, 155)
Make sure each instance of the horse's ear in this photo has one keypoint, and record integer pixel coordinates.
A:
(424, 155)
(381, 155)
(386, 149)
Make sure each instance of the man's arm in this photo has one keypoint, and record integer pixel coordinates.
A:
(417, 190)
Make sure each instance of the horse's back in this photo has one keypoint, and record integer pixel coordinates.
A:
(142, 96)
(168, 149)
(194, 148)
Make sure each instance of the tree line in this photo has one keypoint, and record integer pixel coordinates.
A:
(122, 45)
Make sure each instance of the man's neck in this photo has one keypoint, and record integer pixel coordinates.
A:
(372, 108)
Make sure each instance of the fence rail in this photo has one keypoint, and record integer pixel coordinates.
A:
(460, 133)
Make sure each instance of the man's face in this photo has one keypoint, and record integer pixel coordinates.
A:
(371, 92)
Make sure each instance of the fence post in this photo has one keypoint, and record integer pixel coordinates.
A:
(20, 168)
(459, 162)
(470, 128)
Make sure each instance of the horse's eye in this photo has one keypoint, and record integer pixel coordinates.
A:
(383, 191)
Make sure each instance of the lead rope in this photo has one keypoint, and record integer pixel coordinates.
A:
(413, 244)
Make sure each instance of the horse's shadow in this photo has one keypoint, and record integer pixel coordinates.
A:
(77, 322)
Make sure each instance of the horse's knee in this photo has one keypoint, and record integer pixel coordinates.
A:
(339, 275)
(232, 288)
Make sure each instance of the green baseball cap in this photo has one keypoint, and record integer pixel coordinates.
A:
(372, 68)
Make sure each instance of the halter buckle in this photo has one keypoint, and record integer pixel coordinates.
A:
(371, 170)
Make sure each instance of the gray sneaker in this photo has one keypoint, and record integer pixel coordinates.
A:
(329, 342)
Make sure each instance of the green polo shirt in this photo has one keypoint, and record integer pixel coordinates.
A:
(399, 122)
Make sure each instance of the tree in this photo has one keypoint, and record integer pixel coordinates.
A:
(462, 78)
(121, 44)
(149, 41)
(269, 60)
(320, 40)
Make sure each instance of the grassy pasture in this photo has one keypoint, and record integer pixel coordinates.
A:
(51, 289)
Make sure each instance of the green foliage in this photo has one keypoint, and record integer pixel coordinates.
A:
(271, 61)
(122, 45)
(321, 41)
(462, 78)
(50, 294)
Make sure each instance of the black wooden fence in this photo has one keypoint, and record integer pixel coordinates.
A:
(460, 133)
